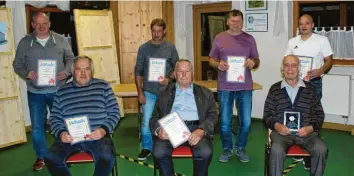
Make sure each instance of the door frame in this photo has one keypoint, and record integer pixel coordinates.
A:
(198, 9)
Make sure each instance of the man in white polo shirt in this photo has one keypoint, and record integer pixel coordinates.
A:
(317, 47)
(311, 45)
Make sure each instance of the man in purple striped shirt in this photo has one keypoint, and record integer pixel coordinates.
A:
(228, 45)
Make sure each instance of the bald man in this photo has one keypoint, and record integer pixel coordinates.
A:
(314, 46)
(42, 50)
(317, 48)
(298, 98)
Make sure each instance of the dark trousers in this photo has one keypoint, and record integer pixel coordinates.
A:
(311, 143)
(101, 151)
(202, 155)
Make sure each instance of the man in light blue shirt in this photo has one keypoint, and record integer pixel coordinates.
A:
(196, 106)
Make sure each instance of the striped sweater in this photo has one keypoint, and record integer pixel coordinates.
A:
(96, 100)
(306, 102)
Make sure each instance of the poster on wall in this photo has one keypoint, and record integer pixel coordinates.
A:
(256, 22)
(256, 5)
(4, 44)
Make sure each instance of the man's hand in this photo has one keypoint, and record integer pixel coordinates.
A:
(315, 73)
(249, 63)
(97, 134)
(195, 137)
(65, 137)
(304, 131)
(223, 66)
(62, 75)
(281, 129)
(141, 98)
(161, 133)
(32, 75)
(164, 81)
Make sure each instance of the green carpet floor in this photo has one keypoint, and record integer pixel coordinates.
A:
(17, 160)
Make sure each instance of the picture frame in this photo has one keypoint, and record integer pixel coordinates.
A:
(251, 5)
(256, 22)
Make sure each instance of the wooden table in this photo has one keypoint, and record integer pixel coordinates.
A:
(129, 90)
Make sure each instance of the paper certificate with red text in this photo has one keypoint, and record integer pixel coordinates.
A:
(178, 132)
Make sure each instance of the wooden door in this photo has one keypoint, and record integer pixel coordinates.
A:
(96, 39)
(12, 128)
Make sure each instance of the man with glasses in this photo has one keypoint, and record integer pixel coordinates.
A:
(43, 58)
(154, 67)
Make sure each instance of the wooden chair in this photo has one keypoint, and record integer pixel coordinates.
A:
(179, 152)
(294, 150)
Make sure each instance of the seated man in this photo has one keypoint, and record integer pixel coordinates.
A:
(293, 95)
(196, 106)
(88, 96)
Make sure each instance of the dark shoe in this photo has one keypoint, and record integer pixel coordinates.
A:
(144, 154)
(297, 158)
(307, 165)
(38, 165)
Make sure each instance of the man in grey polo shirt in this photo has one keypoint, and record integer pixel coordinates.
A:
(42, 46)
(156, 50)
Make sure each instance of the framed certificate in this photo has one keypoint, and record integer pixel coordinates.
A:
(256, 22)
(292, 120)
(178, 132)
(157, 68)
(47, 72)
(236, 71)
(78, 128)
(305, 65)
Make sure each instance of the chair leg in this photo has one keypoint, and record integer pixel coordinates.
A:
(266, 160)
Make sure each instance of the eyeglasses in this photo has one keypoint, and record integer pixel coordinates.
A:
(41, 24)
(83, 69)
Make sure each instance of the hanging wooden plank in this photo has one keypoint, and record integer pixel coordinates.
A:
(96, 39)
(12, 128)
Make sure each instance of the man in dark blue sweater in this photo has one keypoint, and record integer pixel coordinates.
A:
(85, 97)
(294, 96)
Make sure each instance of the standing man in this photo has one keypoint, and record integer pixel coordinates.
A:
(293, 95)
(154, 68)
(317, 47)
(196, 106)
(51, 49)
(230, 44)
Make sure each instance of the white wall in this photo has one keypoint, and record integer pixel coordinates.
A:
(271, 50)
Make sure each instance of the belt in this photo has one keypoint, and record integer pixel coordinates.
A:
(194, 122)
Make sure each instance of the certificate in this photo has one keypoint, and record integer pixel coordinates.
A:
(78, 128)
(305, 65)
(178, 132)
(256, 22)
(292, 121)
(47, 72)
(236, 71)
(157, 67)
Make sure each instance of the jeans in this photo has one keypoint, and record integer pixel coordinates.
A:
(37, 104)
(202, 155)
(101, 151)
(148, 108)
(244, 108)
(317, 82)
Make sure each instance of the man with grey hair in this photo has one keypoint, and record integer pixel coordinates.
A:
(196, 107)
(294, 99)
(42, 50)
(94, 99)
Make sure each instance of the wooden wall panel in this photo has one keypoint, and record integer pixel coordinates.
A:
(129, 25)
(149, 11)
(168, 16)
(12, 128)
